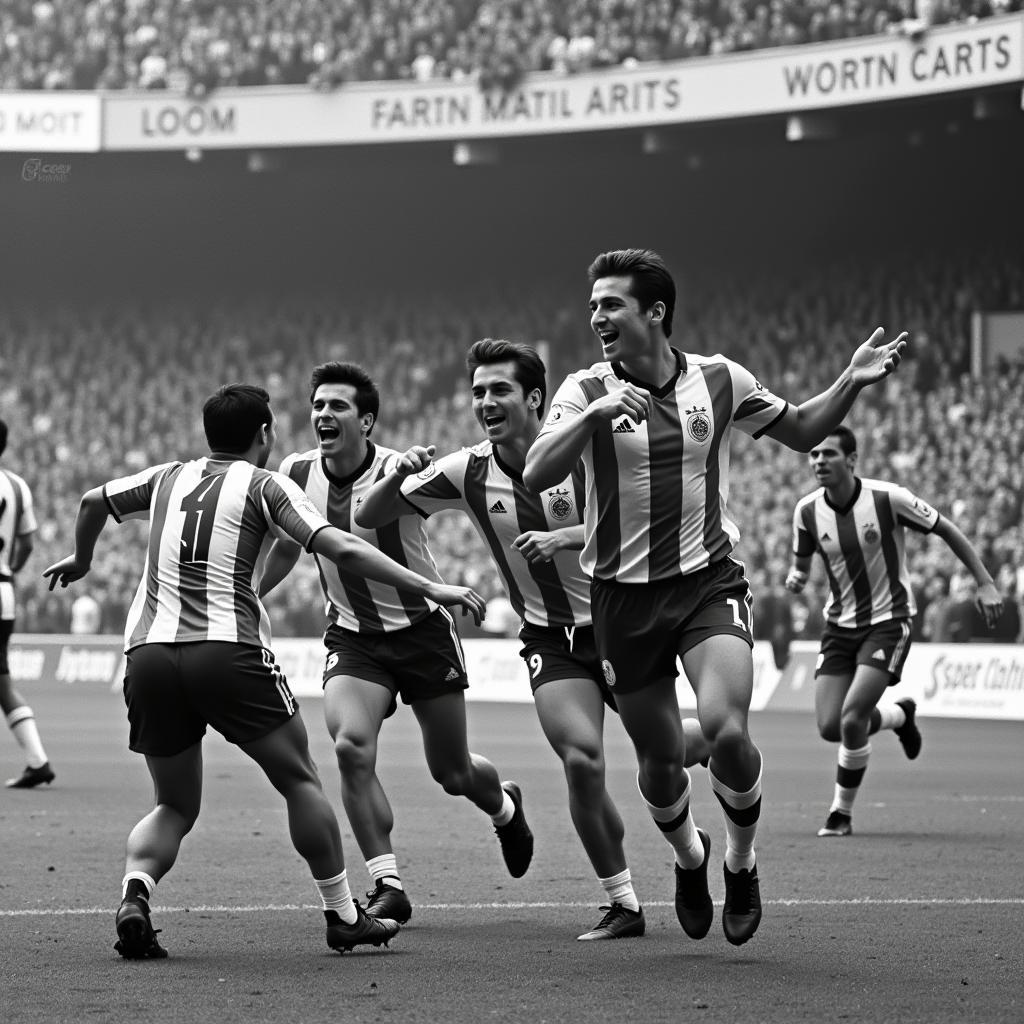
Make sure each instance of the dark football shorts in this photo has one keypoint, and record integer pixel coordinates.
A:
(6, 629)
(562, 652)
(884, 646)
(173, 691)
(642, 627)
(422, 661)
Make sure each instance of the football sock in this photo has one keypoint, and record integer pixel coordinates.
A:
(849, 774)
(22, 722)
(336, 895)
(742, 811)
(508, 809)
(385, 868)
(676, 824)
(620, 890)
(892, 716)
(137, 885)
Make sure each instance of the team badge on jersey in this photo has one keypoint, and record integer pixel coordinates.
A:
(560, 504)
(609, 673)
(871, 534)
(555, 414)
(698, 425)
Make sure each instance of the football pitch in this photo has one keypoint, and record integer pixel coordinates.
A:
(919, 916)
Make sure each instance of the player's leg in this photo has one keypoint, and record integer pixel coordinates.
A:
(460, 772)
(888, 646)
(354, 710)
(571, 714)
(21, 720)
(720, 669)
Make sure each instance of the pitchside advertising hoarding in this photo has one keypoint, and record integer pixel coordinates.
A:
(946, 680)
(50, 122)
(777, 81)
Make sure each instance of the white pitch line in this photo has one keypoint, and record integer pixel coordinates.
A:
(260, 908)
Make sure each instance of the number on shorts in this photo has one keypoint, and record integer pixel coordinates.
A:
(199, 507)
(735, 606)
(536, 663)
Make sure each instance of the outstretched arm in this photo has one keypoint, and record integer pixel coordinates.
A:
(355, 555)
(805, 425)
(988, 599)
(384, 503)
(280, 561)
(92, 517)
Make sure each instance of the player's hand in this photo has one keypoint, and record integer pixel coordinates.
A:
(990, 603)
(465, 597)
(415, 460)
(66, 571)
(877, 358)
(628, 401)
(796, 580)
(537, 546)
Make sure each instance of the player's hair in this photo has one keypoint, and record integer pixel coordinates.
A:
(847, 439)
(233, 414)
(3, 437)
(651, 281)
(530, 371)
(334, 372)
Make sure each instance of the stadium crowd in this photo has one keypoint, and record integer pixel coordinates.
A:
(195, 46)
(92, 394)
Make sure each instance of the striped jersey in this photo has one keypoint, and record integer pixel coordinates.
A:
(211, 523)
(863, 549)
(656, 492)
(492, 494)
(355, 603)
(17, 519)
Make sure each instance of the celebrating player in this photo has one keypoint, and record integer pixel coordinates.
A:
(198, 648)
(652, 425)
(17, 525)
(857, 526)
(533, 539)
(383, 642)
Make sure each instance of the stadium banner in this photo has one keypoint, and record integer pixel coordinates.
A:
(946, 680)
(50, 122)
(775, 81)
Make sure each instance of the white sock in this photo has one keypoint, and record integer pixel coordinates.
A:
(508, 809)
(22, 722)
(676, 824)
(138, 876)
(891, 717)
(742, 812)
(336, 895)
(385, 867)
(620, 890)
(852, 764)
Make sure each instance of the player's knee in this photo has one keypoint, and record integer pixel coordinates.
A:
(355, 753)
(452, 779)
(584, 767)
(730, 738)
(828, 729)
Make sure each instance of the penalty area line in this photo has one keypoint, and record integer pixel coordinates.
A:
(979, 901)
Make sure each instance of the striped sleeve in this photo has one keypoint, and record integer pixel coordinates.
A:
(129, 497)
(289, 513)
(756, 409)
(439, 486)
(804, 542)
(912, 512)
(569, 402)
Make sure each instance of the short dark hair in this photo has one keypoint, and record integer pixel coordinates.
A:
(3, 437)
(233, 414)
(847, 439)
(334, 372)
(530, 371)
(651, 280)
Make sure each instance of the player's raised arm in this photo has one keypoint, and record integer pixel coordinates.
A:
(355, 555)
(384, 503)
(804, 425)
(92, 517)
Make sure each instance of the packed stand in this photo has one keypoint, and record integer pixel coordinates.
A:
(195, 46)
(92, 395)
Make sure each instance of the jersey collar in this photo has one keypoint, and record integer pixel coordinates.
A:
(658, 392)
(853, 499)
(344, 481)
